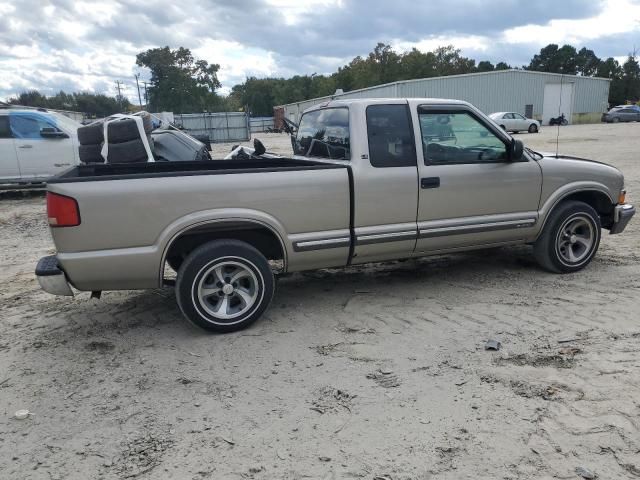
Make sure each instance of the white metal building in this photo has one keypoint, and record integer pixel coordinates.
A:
(536, 95)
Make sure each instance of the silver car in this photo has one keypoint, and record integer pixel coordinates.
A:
(515, 122)
(624, 113)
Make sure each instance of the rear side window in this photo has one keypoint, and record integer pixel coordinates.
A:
(391, 142)
(5, 132)
(324, 133)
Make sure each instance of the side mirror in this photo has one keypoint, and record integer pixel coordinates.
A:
(50, 132)
(516, 150)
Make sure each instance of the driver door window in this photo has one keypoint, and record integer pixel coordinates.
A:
(455, 137)
(27, 127)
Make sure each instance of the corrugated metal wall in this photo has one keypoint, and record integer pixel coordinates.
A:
(508, 90)
(220, 127)
(260, 124)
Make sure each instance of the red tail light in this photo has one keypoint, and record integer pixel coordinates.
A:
(62, 211)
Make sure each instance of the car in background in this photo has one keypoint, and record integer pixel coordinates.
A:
(622, 113)
(515, 122)
(36, 144)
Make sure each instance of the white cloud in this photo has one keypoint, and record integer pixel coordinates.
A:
(236, 61)
(617, 17)
(467, 42)
(87, 44)
(294, 10)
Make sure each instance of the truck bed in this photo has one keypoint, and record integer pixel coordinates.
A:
(121, 171)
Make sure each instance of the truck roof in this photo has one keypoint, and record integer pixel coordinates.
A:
(368, 101)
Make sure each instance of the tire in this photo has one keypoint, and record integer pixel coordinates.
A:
(91, 134)
(90, 153)
(243, 301)
(127, 152)
(533, 128)
(503, 127)
(122, 131)
(572, 231)
(615, 120)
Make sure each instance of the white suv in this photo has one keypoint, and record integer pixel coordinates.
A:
(35, 144)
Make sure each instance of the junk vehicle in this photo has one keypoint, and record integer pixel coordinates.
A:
(370, 180)
(36, 143)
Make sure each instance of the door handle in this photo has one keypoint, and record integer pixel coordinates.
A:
(61, 164)
(25, 146)
(430, 182)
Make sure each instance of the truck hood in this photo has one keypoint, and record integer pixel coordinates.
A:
(560, 157)
(565, 169)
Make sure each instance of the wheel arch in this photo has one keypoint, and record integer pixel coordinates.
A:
(595, 196)
(259, 234)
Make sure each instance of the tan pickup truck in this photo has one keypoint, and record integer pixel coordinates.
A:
(370, 180)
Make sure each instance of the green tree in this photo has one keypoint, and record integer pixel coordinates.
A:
(179, 82)
(92, 104)
(450, 62)
(503, 66)
(587, 62)
(631, 79)
(485, 66)
(556, 60)
(417, 64)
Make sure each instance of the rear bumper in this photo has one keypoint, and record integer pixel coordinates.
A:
(621, 217)
(51, 278)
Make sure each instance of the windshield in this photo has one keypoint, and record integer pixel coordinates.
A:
(324, 133)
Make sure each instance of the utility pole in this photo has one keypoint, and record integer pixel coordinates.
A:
(118, 82)
(146, 95)
(138, 86)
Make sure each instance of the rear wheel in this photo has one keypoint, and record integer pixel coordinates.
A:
(533, 128)
(224, 286)
(570, 238)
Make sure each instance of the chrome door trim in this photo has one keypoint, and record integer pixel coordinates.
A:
(322, 244)
(386, 237)
(477, 227)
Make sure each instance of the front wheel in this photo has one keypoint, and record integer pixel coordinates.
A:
(570, 238)
(533, 128)
(224, 286)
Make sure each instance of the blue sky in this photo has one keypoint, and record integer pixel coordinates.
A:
(87, 45)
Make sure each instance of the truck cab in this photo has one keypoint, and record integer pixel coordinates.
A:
(35, 144)
(428, 174)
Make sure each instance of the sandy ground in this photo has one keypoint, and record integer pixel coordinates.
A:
(374, 372)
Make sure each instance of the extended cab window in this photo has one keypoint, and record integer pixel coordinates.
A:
(450, 137)
(324, 133)
(391, 143)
